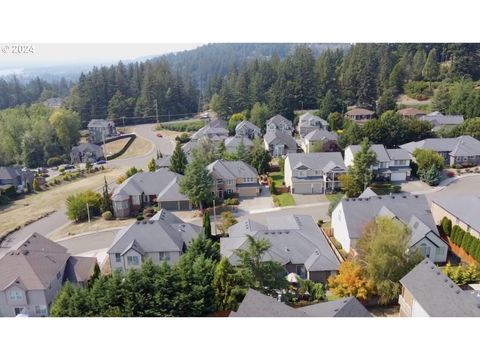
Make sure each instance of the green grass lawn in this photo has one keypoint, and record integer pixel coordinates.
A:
(334, 197)
(285, 199)
(277, 178)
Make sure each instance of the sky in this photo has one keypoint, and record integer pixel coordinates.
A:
(54, 54)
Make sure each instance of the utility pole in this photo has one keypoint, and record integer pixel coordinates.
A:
(88, 213)
(156, 109)
(214, 218)
(104, 146)
(123, 119)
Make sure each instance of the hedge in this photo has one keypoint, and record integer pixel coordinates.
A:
(469, 243)
(125, 148)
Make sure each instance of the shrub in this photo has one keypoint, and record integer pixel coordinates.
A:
(54, 161)
(107, 215)
(79, 205)
(419, 90)
(396, 189)
(231, 201)
(36, 185)
(140, 217)
(148, 212)
(446, 226)
(4, 200)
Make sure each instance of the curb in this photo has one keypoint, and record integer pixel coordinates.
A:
(89, 233)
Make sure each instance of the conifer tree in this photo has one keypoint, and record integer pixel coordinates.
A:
(178, 161)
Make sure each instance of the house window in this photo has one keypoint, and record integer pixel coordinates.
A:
(439, 251)
(229, 191)
(15, 295)
(18, 310)
(136, 200)
(133, 260)
(302, 173)
(300, 270)
(164, 256)
(58, 275)
(117, 257)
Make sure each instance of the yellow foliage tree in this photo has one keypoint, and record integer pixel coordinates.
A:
(351, 281)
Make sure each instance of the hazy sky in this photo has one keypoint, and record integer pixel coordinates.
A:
(57, 54)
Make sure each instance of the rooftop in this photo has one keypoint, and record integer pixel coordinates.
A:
(226, 169)
(316, 161)
(460, 146)
(465, 208)
(358, 112)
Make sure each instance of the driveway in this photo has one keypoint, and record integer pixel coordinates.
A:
(262, 202)
(416, 186)
(303, 199)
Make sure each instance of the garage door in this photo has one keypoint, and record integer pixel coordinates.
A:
(301, 189)
(317, 188)
(175, 205)
(248, 192)
(398, 176)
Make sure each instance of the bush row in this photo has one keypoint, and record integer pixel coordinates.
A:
(466, 241)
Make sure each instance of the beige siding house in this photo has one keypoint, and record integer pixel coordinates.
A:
(463, 211)
(233, 177)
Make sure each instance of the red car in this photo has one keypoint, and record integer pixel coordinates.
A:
(159, 135)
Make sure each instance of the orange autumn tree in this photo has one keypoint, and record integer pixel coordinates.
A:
(351, 281)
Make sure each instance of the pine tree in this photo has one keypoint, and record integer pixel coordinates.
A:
(178, 161)
(361, 170)
(152, 165)
(207, 226)
(242, 152)
(197, 183)
(431, 70)
(105, 205)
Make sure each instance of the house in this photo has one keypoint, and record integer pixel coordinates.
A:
(233, 177)
(21, 179)
(31, 275)
(463, 150)
(463, 211)
(427, 292)
(100, 130)
(163, 162)
(247, 129)
(351, 216)
(411, 112)
(146, 189)
(360, 115)
(279, 123)
(215, 131)
(296, 242)
(308, 122)
(164, 237)
(440, 121)
(279, 143)
(256, 304)
(392, 164)
(86, 152)
(313, 173)
(53, 102)
(315, 138)
(232, 143)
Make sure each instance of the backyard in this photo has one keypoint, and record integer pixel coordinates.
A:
(280, 198)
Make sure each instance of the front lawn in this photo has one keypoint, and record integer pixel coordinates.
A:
(285, 199)
(277, 178)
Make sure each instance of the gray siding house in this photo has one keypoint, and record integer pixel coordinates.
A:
(279, 142)
(164, 237)
(21, 179)
(313, 173)
(308, 122)
(315, 137)
(280, 123)
(247, 129)
(440, 121)
(100, 129)
(232, 143)
(297, 243)
(31, 276)
(86, 152)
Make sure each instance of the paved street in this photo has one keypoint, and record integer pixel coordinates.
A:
(468, 185)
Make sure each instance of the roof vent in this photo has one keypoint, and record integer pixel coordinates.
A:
(359, 199)
(25, 252)
(451, 286)
(393, 197)
(457, 292)
(273, 233)
(438, 272)
(446, 280)
(415, 196)
(287, 249)
(404, 196)
(150, 221)
(380, 197)
(144, 221)
(287, 232)
(279, 232)
(431, 267)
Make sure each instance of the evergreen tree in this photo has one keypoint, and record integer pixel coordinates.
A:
(419, 60)
(335, 121)
(105, 205)
(207, 226)
(386, 102)
(431, 70)
(363, 161)
(260, 157)
(242, 152)
(178, 161)
(197, 183)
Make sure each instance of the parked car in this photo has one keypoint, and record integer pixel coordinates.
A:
(159, 135)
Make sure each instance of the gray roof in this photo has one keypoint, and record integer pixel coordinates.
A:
(100, 123)
(460, 146)
(465, 208)
(437, 118)
(87, 147)
(378, 149)
(79, 268)
(320, 134)
(225, 169)
(163, 232)
(34, 264)
(295, 239)
(279, 137)
(317, 161)
(163, 162)
(160, 183)
(367, 193)
(359, 212)
(359, 111)
(213, 130)
(398, 154)
(437, 294)
(7, 172)
(248, 124)
(279, 119)
(234, 141)
(256, 304)
(308, 119)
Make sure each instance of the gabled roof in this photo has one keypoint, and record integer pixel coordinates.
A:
(315, 161)
(256, 304)
(247, 124)
(378, 149)
(79, 268)
(279, 137)
(367, 193)
(359, 111)
(245, 226)
(320, 134)
(465, 208)
(87, 147)
(235, 141)
(411, 112)
(279, 119)
(437, 294)
(308, 119)
(359, 212)
(226, 169)
(100, 123)
(163, 232)
(460, 146)
(163, 162)
(437, 118)
(7, 172)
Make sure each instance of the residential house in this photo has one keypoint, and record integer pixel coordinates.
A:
(440, 121)
(427, 292)
(351, 216)
(308, 122)
(53, 102)
(313, 173)
(360, 115)
(463, 150)
(86, 152)
(315, 138)
(233, 142)
(214, 131)
(147, 189)
(31, 275)
(21, 179)
(233, 177)
(411, 112)
(163, 162)
(463, 211)
(279, 143)
(100, 130)
(256, 304)
(296, 242)
(279, 123)
(247, 129)
(392, 164)
(164, 237)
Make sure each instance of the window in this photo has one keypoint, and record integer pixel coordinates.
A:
(133, 260)
(136, 200)
(117, 257)
(58, 275)
(164, 256)
(15, 295)
(18, 310)
(300, 270)
(439, 251)
(424, 250)
(229, 191)
(302, 173)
